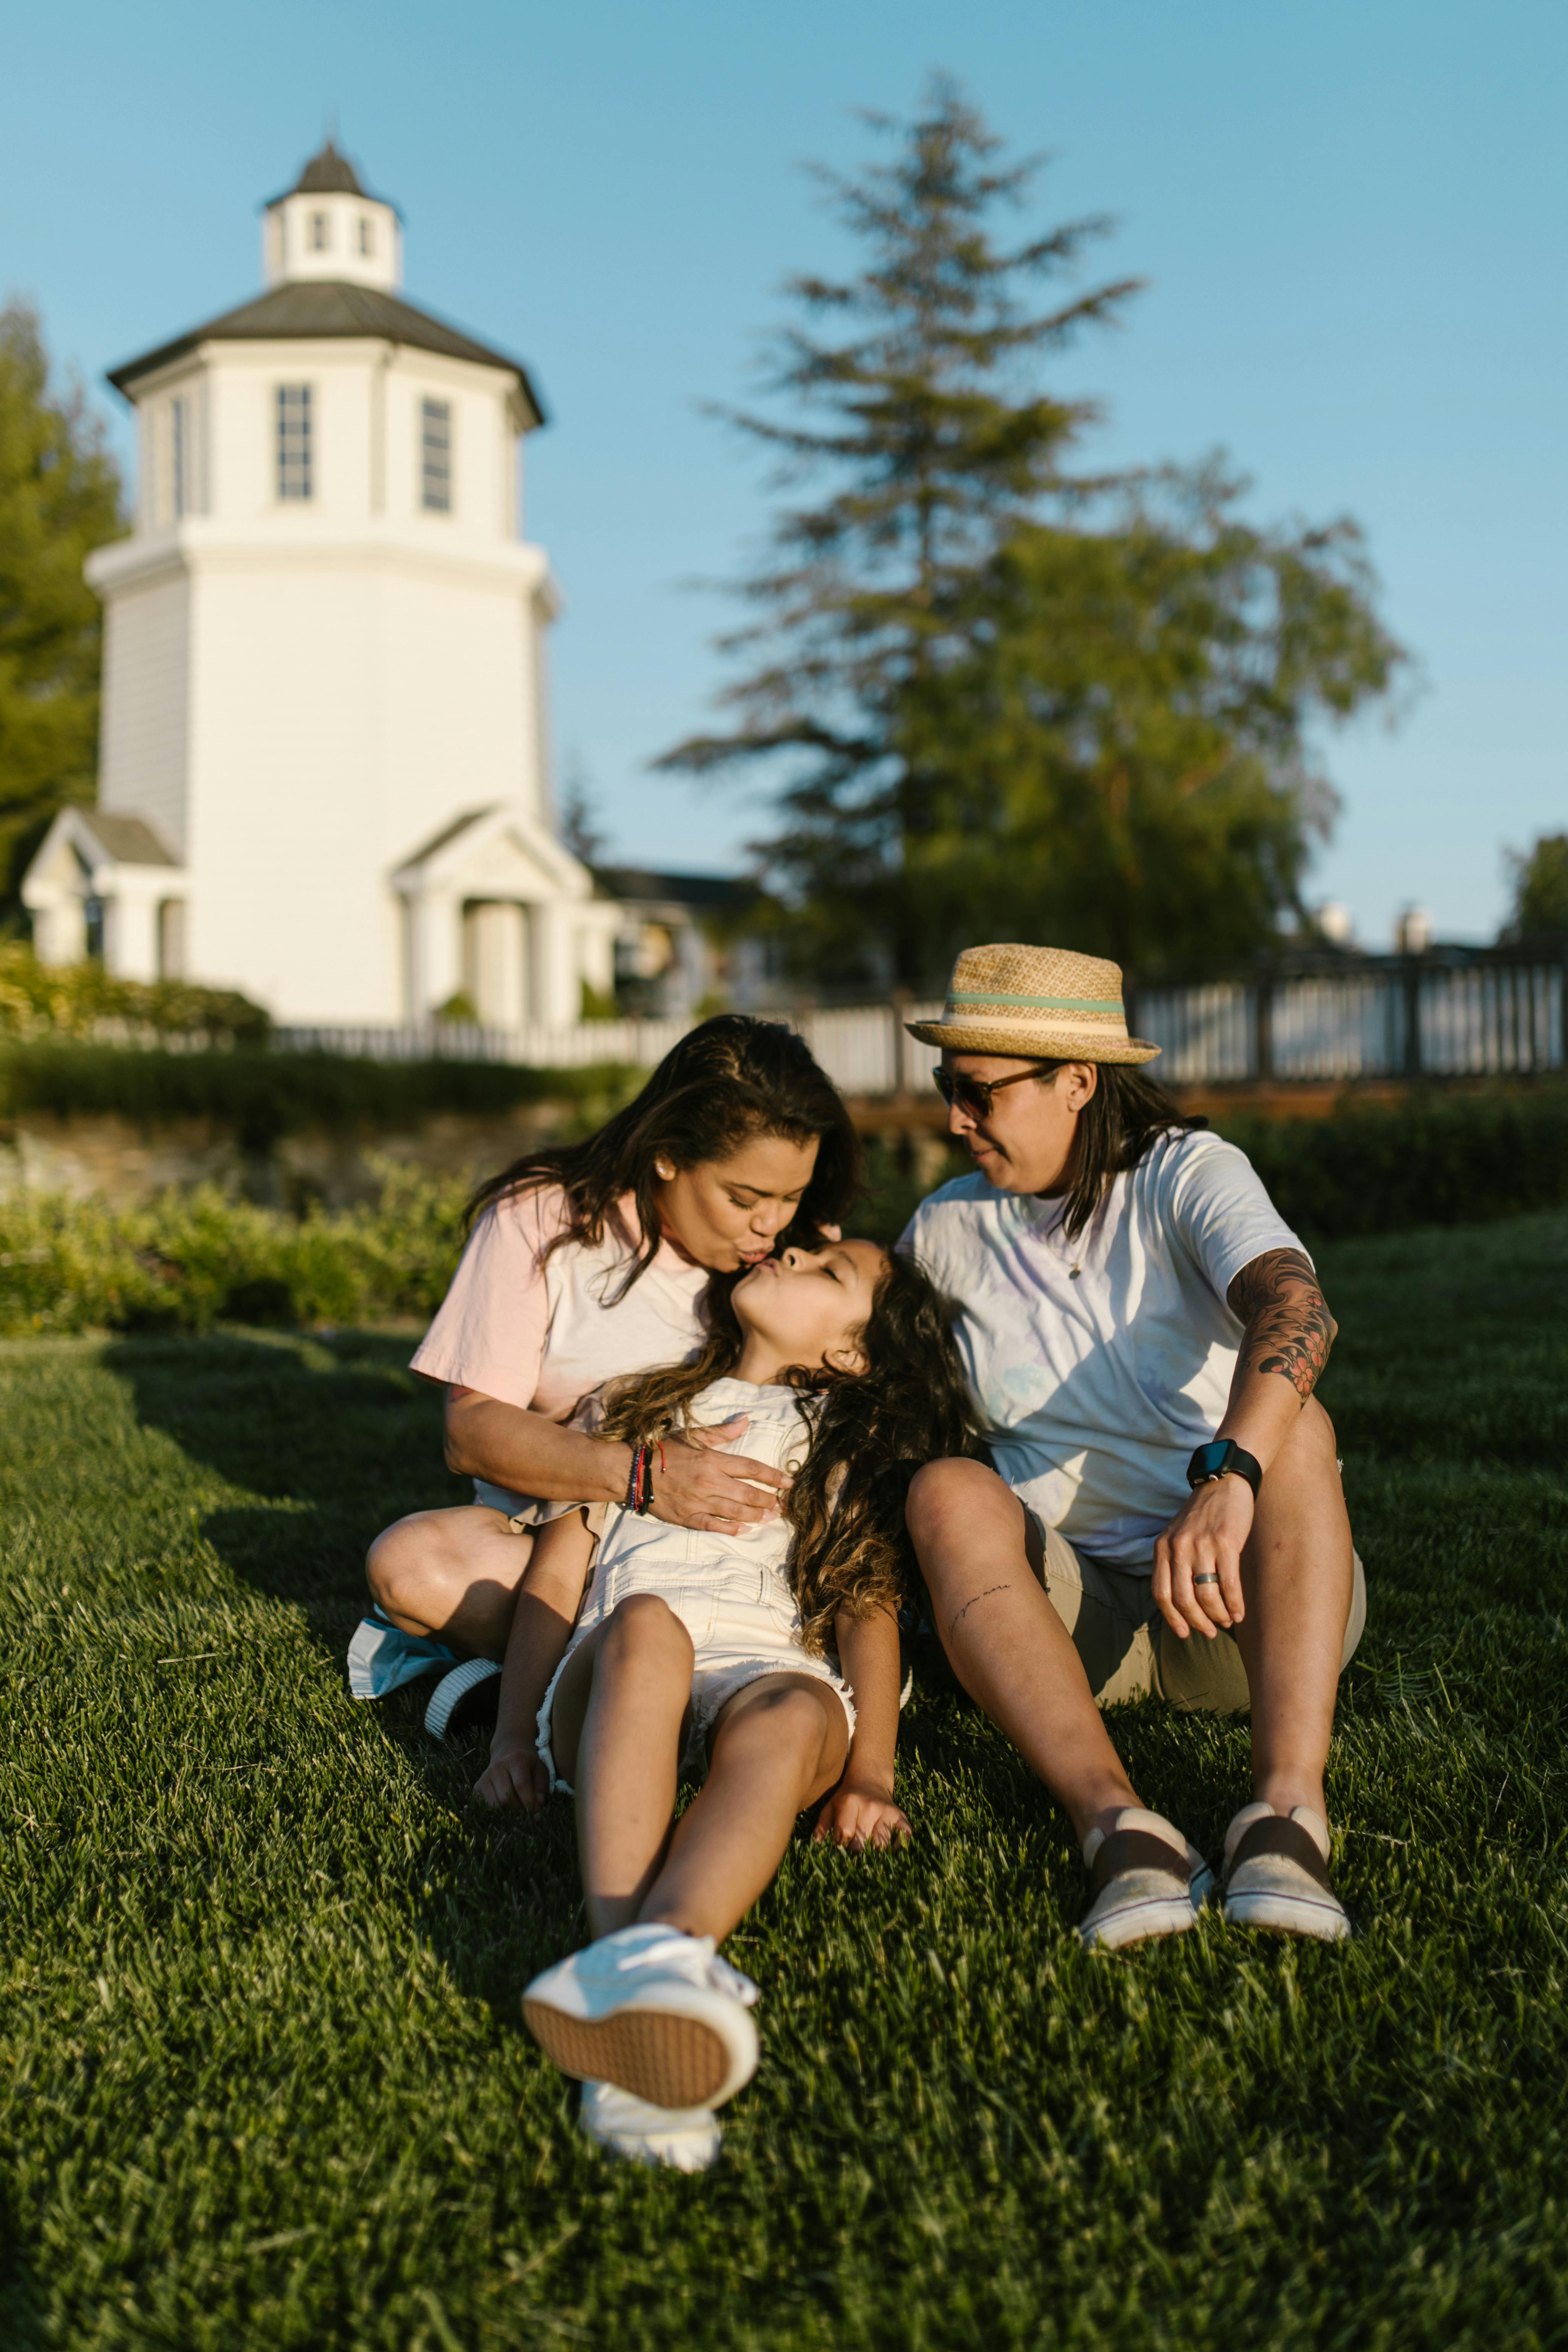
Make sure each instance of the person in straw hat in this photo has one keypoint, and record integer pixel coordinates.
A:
(1143, 1334)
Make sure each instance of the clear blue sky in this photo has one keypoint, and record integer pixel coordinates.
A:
(1353, 215)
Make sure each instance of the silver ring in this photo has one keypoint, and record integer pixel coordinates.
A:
(1205, 1579)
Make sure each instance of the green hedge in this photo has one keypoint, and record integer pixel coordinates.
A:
(1438, 1157)
(262, 1095)
(39, 1000)
(194, 1258)
(1435, 1158)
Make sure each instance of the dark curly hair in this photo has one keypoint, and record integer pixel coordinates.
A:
(869, 1431)
(728, 1079)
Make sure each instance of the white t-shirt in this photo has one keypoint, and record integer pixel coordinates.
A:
(544, 1329)
(1098, 1365)
(645, 1554)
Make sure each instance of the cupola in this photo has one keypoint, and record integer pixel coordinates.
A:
(327, 226)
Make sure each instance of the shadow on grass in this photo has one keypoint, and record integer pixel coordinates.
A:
(22, 2324)
(334, 1438)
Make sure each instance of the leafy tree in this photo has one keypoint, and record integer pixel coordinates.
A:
(1011, 696)
(1117, 760)
(60, 497)
(1540, 889)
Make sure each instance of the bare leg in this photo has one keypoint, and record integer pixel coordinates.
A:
(779, 1745)
(1296, 1578)
(616, 1730)
(453, 1574)
(1008, 1647)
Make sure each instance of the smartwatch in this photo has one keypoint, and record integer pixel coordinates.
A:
(1221, 1458)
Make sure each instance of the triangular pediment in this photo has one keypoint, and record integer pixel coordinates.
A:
(495, 853)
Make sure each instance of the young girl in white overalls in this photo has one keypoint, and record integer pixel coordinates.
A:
(763, 1658)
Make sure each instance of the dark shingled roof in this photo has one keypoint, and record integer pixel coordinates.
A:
(321, 307)
(327, 174)
(128, 839)
(694, 890)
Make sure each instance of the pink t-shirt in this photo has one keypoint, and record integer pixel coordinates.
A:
(543, 1333)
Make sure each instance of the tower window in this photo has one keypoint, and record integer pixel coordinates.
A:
(320, 232)
(295, 466)
(366, 234)
(435, 455)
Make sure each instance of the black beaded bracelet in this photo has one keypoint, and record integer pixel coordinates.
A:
(639, 1486)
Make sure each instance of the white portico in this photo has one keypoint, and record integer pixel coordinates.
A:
(324, 690)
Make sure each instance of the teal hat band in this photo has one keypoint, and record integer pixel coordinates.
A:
(1038, 1004)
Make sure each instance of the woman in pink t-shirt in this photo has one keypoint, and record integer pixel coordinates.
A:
(585, 1263)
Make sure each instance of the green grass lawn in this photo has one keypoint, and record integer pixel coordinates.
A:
(264, 2078)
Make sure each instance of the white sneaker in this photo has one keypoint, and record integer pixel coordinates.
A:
(1277, 1874)
(685, 2139)
(466, 1701)
(1144, 1880)
(652, 2010)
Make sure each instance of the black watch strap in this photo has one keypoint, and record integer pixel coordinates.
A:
(1219, 1460)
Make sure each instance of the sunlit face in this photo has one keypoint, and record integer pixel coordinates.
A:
(1023, 1142)
(810, 1306)
(727, 1212)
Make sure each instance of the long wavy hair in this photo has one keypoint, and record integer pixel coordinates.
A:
(1126, 1115)
(728, 1079)
(869, 1431)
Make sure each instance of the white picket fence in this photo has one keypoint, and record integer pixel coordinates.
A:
(864, 1048)
(1400, 1017)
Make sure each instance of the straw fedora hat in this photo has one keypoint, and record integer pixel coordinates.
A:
(1029, 1001)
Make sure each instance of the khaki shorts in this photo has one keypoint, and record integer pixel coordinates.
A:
(1128, 1650)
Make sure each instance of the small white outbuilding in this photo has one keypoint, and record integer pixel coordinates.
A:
(324, 710)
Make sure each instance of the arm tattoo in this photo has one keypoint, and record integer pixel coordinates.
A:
(1289, 1327)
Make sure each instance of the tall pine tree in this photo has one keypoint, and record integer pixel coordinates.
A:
(1012, 698)
(59, 498)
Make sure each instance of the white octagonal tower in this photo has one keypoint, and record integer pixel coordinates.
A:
(324, 685)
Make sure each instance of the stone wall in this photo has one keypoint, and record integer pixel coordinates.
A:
(126, 1164)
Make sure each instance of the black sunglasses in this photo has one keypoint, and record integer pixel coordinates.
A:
(973, 1095)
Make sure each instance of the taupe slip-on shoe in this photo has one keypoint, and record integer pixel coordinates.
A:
(1144, 1880)
(1277, 1874)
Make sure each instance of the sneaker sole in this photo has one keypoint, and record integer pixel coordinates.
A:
(1168, 1916)
(674, 2151)
(668, 2060)
(466, 1699)
(1285, 1915)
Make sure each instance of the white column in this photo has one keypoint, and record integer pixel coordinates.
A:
(130, 928)
(557, 982)
(433, 953)
(595, 925)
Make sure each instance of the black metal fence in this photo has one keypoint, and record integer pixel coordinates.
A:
(1380, 1017)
